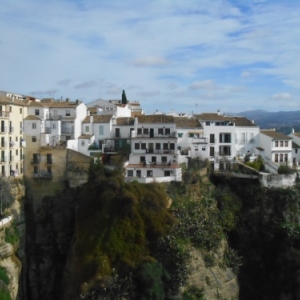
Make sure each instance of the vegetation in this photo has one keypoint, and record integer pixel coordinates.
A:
(257, 164)
(12, 235)
(3, 276)
(4, 295)
(285, 169)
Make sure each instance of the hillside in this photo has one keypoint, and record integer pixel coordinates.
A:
(281, 119)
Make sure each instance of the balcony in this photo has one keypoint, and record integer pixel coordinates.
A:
(4, 114)
(3, 159)
(35, 161)
(67, 131)
(49, 161)
(42, 175)
(3, 130)
(11, 129)
(3, 145)
(11, 144)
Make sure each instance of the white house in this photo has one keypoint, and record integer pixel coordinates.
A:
(296, 148)
(277, 148)
(154, 155)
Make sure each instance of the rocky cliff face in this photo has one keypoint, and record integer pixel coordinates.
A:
(12, 233)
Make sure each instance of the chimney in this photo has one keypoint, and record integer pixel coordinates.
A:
(293, 130)
(218, 112)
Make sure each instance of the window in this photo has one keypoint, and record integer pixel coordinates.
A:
(33, 125)
(286, 143)
(167, 173)
(281, 143)
(139, 131)
(180, 134)
(101, 130)
(225, 150)
(167, 131)
(212, 151)
(225, 138)
(68, 113)
(33, 139)
(281, 157)
(130, 173)
(10, 109)
(207, 123)
(211, 138)
(153, 159)
(21, 127)
(20, 110)
(54, 126)
(17, 152)
(276, 143)
(149, 173)
(164, 159)
(203, 148)
(37, 112)
(146, 131)
(276, 157)
(143, 146)
(165, 146)
(142, 159)
(138, 173)
(136, 146)
(87, 128)
(296, 151)
(160, 131)
(157, 146)
(285, 158)
(82, 143)
(172, 146)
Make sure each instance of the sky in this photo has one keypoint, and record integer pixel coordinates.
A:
(189, 56)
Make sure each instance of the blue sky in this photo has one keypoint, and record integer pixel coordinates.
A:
(190, 56)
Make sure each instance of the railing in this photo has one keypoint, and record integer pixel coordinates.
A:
(47, 130)
(68, 131)
(3, 159)
(156, 135)
(11, 129)
(4, 114)
(35, 161)
(42, 175)
(49, 161)
(11, 144)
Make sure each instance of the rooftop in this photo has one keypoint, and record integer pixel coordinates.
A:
(275, 135)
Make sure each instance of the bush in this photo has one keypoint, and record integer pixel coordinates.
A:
(11, 235)
(4, 295)
(258, 164)
(193, 293)
(4, 276)
(285, 169)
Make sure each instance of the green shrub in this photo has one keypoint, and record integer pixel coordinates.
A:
(4, 295)
(258, 164)
(285, 169)
(11, 235)
(4, 276)
(193, 293)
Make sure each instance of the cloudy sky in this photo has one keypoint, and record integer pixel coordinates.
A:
(190, 56)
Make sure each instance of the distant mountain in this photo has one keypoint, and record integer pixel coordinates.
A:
(283, 121)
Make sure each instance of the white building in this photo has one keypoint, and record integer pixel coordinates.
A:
(276, 148)
(154, 155)
(296, 148)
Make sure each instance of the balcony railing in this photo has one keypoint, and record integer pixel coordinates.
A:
(4, 114)
(3, 145)
(35, 161)
(3, 159)
(67, 131)
(11, 129)
(11, 144)
(42, 175)
(49, 161)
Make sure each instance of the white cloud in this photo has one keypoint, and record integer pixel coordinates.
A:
(282, 96)
(204, 84)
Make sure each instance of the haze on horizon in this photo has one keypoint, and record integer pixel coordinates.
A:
(190, 56)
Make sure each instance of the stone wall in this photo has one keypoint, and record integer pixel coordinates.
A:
(277, 180)
(77, 168)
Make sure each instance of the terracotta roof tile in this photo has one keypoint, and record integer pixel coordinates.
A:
(147, 119)
(6, 100)
(98, 119)
(85, 136)
(125, 121)
(183, 122)
(32, 117)
(275, 135)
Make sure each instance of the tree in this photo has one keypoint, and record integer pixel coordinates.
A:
(124, 98)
